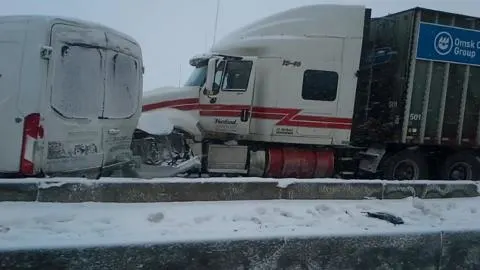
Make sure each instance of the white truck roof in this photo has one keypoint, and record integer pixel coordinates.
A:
(260, 38)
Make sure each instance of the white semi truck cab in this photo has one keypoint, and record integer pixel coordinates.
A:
(326, 90)
(289, 78)
(247, 88)
(70, 96)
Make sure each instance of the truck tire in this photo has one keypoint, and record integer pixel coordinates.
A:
(463, 165)
(405, 165)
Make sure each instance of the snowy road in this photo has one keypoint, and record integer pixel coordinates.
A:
(26, 224)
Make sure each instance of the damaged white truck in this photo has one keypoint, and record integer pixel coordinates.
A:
(70, 97)
(299, 94)
(328, 91)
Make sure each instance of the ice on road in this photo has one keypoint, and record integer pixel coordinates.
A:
(29, 225)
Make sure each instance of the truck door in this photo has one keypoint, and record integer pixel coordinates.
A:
(10, 67)
(318, 90)
(72, 131)
(121, 105)
(229, 110)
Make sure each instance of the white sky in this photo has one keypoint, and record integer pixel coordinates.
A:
(171, 31)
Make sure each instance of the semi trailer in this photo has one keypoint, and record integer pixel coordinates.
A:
(328, 91)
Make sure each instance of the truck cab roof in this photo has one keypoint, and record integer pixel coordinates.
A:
(296, 25)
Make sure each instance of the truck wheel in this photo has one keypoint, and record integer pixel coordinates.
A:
(406, 165)
(461, 166)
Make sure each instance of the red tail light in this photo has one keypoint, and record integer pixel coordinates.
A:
(32, 131)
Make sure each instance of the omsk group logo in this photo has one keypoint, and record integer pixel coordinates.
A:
(448, 44)
(443, 43)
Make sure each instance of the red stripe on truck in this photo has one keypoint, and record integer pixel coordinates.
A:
(186, 104)
(220, 113)
(286, 116)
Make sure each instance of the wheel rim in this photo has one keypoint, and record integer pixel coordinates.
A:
(406, 170)
(460, 171)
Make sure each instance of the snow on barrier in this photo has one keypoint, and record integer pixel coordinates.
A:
(429, 250)
(223, 189)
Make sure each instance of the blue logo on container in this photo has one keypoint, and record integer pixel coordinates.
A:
(448, 44)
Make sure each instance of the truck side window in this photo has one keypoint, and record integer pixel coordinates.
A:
(218, 77)
(320, 85)
(237, 75)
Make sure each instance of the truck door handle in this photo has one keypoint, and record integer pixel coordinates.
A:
(245, 115)
(113, 131)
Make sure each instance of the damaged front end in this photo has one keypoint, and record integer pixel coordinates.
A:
(159, 156)
(162, 149)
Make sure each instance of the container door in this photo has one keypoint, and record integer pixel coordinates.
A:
(230, 110)
(121, 106)
(72, 131)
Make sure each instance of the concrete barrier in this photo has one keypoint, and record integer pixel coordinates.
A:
(168, 190)
(434, 250)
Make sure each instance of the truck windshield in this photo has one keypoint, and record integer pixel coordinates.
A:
(198, 76)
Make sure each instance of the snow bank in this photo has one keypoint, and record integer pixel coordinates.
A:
(33, 225)
(180, 119)
(155, 122)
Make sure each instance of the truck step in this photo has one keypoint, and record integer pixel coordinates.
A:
(346, 174)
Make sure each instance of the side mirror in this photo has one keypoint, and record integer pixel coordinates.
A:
(212, 66)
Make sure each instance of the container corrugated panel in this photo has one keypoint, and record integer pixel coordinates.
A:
(384, 80)
(429, 90)
(447, 81)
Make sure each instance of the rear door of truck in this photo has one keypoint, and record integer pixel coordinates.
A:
(12, 36)
(76, 77)
(122, 103)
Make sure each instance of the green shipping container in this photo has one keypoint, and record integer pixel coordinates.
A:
(424, 84)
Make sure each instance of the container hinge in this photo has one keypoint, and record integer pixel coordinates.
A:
(46, 52)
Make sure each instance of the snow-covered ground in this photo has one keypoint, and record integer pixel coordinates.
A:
(27, 225)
